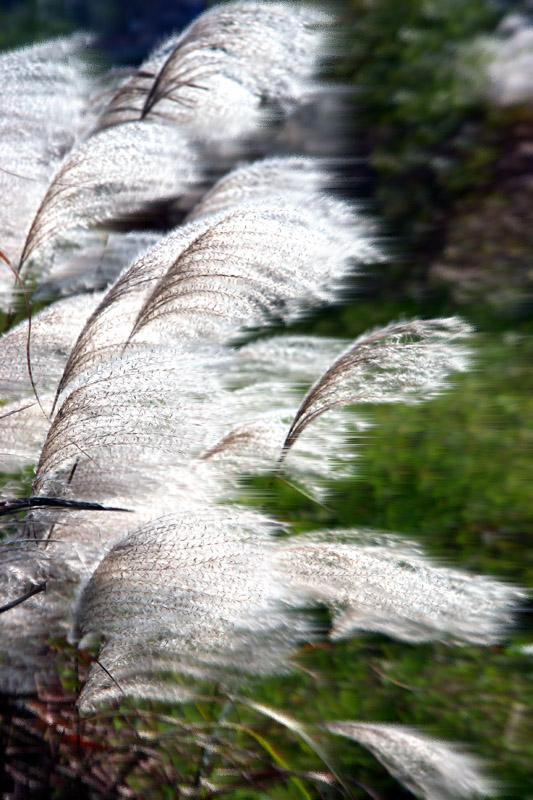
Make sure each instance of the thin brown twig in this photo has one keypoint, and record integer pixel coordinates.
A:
(28, 339)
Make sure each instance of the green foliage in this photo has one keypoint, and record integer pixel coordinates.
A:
(33, 21)
(457, 469)
(419, 117)
(453, 474)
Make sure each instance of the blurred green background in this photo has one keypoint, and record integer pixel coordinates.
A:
(450, 178)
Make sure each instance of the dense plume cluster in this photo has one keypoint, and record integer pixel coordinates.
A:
(146, 398)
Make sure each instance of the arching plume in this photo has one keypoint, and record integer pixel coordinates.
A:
(116, 173)
(427, 767)
(214, 78)
(44, 90)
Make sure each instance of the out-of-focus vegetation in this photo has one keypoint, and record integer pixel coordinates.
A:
(454, 474)
(23, 23)
(449, 177)
(126, 29)
(420, 121)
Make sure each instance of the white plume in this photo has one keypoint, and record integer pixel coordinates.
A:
(24, 418)
(23, 428)
(116, 173)
(403, 362)
(257, 263)
(508, 64)
(198, 590)
(301, 178)
(429, 768)
(44, 89)
(88, 261)
(213, 79)
(53, 332)
(383, 584)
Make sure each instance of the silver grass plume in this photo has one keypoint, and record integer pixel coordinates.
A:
(403, 362)
(299, 358)
(260, 180)
(190, 289)
(23, 429)
(89, 261)
(229, 277)
(303, 182)
(499, 67)
(213, 78)
(116, 173)
(253, 447)
(429, 768)
(109, 326)
(53, 333)
(24, 419)
(44, 89)
(379, 583)
(194, 587)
